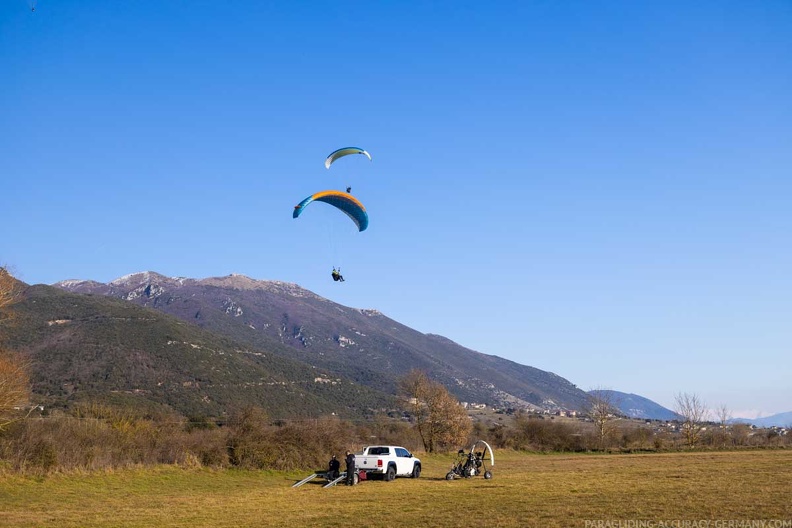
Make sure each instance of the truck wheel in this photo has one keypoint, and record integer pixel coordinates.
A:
(416, 471)
(390, 474)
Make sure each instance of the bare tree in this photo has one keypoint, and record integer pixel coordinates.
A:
(693, 412)
(14, 381)
(9, 292)
(604, 411)
(723, 415)
(439, 419)
(14, 388)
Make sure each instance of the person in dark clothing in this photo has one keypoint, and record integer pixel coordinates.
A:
(350, 468)
(334, 468)
(337, 275)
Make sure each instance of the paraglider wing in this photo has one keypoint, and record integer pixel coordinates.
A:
(343, 201)
(346, 151)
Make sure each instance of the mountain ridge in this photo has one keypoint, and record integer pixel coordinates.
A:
(635, 406)
(364, 344)
(783, 419)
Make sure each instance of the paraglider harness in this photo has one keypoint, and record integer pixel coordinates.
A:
(337, 275)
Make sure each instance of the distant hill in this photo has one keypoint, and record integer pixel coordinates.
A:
(635, 406)
(96, 348)
(362, 345)
(778, 420)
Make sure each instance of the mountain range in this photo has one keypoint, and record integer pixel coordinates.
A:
(635, 406)
(199, 346)
(776, 420)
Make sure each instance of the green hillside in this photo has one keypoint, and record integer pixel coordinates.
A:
(91, 347)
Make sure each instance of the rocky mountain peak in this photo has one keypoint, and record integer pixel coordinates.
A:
(237, 281)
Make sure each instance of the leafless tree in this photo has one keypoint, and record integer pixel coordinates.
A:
(9, 292)
(693, 412)
(439, 419)
(14, 389)
(723, 415)
(604, 411)
(14, 381)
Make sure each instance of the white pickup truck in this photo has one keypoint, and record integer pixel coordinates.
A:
(388, 462)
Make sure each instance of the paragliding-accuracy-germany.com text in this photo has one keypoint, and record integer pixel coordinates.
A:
(688, 523)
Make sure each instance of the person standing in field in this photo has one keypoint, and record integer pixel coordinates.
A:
(350, 468)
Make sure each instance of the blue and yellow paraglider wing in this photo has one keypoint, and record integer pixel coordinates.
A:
(340, 200)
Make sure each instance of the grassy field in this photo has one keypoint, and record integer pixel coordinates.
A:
(527, 490)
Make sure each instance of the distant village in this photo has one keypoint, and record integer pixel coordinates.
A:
(631, 432)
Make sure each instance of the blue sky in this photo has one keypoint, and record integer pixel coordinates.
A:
(599, 189)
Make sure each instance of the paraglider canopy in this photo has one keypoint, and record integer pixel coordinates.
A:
(346, 151)
(347, 203)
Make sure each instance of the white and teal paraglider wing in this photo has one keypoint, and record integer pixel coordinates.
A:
(346, 151)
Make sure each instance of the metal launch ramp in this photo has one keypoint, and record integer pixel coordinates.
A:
(336, 481)
(309, 478)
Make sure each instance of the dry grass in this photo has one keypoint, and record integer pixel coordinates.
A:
(527, 490)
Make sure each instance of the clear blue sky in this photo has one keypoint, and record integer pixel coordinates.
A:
(599, 189)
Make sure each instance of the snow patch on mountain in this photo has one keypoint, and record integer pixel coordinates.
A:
(75, 284)
(69, 284)
(133, 278)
